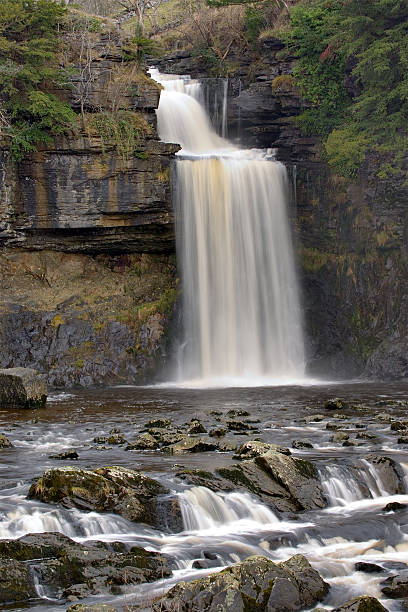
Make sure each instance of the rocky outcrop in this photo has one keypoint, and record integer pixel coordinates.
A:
(82, 193)
(284, 483)
(22, 388)
(255, 584)
(86, 320)
(69, 570)
(122, 491)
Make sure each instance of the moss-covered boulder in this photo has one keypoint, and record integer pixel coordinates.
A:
(16, 581)
(65, 567)
(256, 584)
(22, 388)
(127, 492)
(362, 604)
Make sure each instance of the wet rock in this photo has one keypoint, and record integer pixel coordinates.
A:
(396, 587)
(398, 425)
(158, 424)
(68, 454)
(235, 425)
(255, 584)
(254, 448)
(402, 440)
(366, 435)
(333, 426)
(217, 432)
(299, 478)
(340, 436)
(389, 472)
(191, 445)
(22, 388)
(16, 581)
(5, 442)
(68, 569)
(227, 446)
(196, 427)
(299, 444)
(362, 604)
(335, 403)
(383, 417)
(315, 418)
(210, 560)
(111, 439)
(237, 413)
(202, 478)
(107, 489)
(368, 568)
(144, 442)
(165, 437)
(394, 507)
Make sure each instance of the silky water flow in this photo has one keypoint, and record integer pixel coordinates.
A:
(241, 312)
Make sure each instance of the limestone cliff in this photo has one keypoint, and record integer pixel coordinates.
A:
(86, 236)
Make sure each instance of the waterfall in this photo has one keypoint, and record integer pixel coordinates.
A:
(241, 311)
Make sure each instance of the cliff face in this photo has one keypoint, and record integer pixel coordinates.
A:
(351, 235)
(87, 235)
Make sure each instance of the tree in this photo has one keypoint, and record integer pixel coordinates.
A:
(29, 72)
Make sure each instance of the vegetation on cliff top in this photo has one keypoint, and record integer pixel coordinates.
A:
(47, 56)
(30, 112)
(353, 68)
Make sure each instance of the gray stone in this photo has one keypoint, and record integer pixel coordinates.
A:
(22, 388)
(16, 581)
(362, 604)
(255, 584)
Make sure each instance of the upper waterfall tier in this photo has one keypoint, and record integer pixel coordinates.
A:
(241, 314)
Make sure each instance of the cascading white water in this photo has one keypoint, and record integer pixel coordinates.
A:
(204, 509)
(241, 312)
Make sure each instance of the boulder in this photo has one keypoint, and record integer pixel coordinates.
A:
(16, 581)
(5, 442)
(361, 604)
(65, 567)
(127, 492)
(144, 442)
(191, 445)
(158, 424)
(396, 587)
(299, 444)
(299, 477)
(389, 473)
(255, 584)
(335, 403)
(254, 448)
(22, 388)
(195, 427)
(68, 454)
(368, 568)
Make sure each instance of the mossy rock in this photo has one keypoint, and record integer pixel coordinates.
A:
(5, 442)
(107, 489)
(16, 581)
(362, 604)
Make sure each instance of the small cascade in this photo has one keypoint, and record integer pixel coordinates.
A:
(203, 509)
(19, 518)
(344, 485)
(241, 310)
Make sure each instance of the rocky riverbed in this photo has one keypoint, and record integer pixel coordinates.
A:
(266, 497)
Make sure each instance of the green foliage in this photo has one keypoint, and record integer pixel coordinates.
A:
(365, 41)
(28, 70)
(123, 129)
(139, 47)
